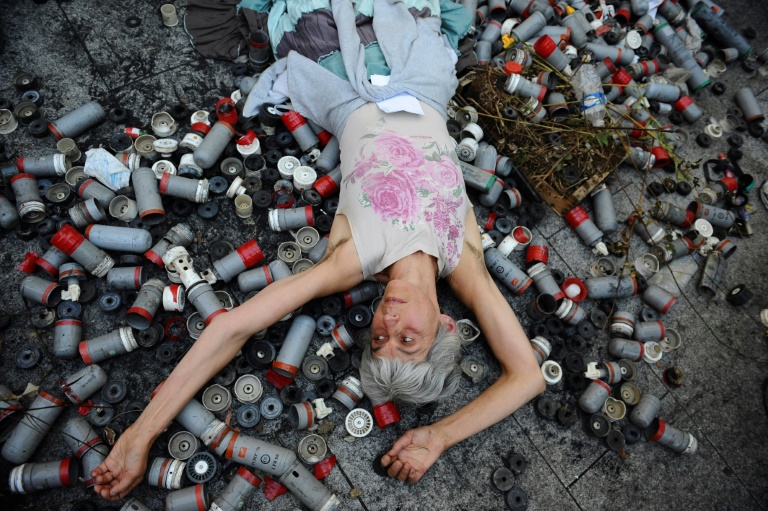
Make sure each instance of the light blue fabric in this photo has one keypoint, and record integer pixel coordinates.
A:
(374, 62)
(412, 47)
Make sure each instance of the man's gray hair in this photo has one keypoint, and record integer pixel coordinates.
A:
(417, 383)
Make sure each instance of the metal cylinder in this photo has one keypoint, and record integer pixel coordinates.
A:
(547, 49)
(301, 416)
(287, 219)
(541, 348)
(613, 286)
(77, 121)
(67, 334)
(245, 256)
(179, 235)
(195, 418)
(123, 208)
(529, 27)
(648, 229)
(679, 54)
(103, 347)
(194, 190)
(148, 198)
(204, 299)
(31, 477)
(626, 348)
(658, 298)
(121, 239)
(716, 28)
(610, 372)
(213, 145)
(541, 307)
(585, 228)
(711, 276)
(349, 392)
(544, 281)
(237, 492)
(490, 197)
(328, 185)
(87, 445)
(519, 86)
(361, 293)
(506, 271)
(570, 312)
(86, 213)
(645, 411)
(604, 210)
(594, 396)
(146, 305)
(330, 156)
(92, 258)
(81, 385)
(51, 165)
(677, 440)
(166, 473)
(258, 50)
(623, 56)
(301, 131)
(32, 428)
(295, 346)
(9, 217)
(126, 278)
(317, 252)
(29, 204)
(648, 331)
(51, 260)
(668, 212)
(40, 290)
(623, 324)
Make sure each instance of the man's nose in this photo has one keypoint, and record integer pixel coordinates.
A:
(390, 319)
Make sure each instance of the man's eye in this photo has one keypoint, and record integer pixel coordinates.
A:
(407, 340)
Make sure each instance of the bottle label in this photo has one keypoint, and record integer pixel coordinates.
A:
(590, 100)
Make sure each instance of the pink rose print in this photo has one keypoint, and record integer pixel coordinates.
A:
(363, 165)
(392, 197)
(398, 151)
(444, 172)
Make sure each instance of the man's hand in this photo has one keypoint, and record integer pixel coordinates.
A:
(123, 469)
(413, 454)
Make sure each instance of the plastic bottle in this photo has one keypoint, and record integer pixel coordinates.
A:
(589, 89)
(674, 277)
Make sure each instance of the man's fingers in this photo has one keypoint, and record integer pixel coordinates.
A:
(403, 475)
(401, 444)
(386, 460)
(394, 469)
(414, 476)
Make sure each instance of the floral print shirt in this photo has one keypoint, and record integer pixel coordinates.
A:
(402, 189)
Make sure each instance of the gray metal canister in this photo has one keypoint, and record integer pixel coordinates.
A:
(490, 197)
(31, 477)
(593, 397)
(658, 298)
(529, 27)
(330, 156)
(179, 235)
(51, 260)
(146, 305)
(194, 190)
(126, 278)
(204, 299)
(670, 250)
(668, 212)
(29, 204)
(541, 307)
(9, 217)
(301, 416)
(677, 440)
(363, 292)
(544, 281)
(134, 504)
(103, 347)
(663, 92)
(645, 410)
(77, 121)
(578, 35)
(50, 165)
(121, 239)
(476, 178)
(8, 407)
(67, 334)
(349, 392)
(191, 498)
(85, 213)
(570, 312)
(148, 198)
(91, 189)
(317, 252)
(237, 492)
(40, 290)
(342, 338)
(623, 56)
(258, 50)
(718, 29)
(87, 445)
(718, 217)
(506, 271)
(623, 324)
(259, 278)
(91, 257)
(613, 286)
(524, 88)
(541, 348)
(679, 54)
(747, 102)
(486, 157)
(712, 275)
(648, 229)
(626, 348)
(213, 144)
(690, 110)
(81, 385)
(231, 265)
(672, 11)
(530, 8)
(194, 417)
(648, 331)
(295, 346)
(610, 372)
(604, 210)
(32, 428)
(287, 219)
(166, 473)
(639, 7)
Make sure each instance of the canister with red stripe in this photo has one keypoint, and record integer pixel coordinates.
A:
(570, 312)
(259, 278)
(180, 235)
(40, 290)
(194, 190)
(87, 445)
(120, 239)
(91, 257)
(294, 346)
(114, 343)
(626, 348)
(349, 392)
(126, 278)
(302, 133)
(81, 385)
(50, 165)
(231, 265)
(544, 281)
(146, 305)
(148, 198)
(286, 219)
(32, 477)
(32, 428)
(29, 203)
(594, 396)
(166, 473)
(645, 410)
(658, 298)
(237, 492)
(67, 334)
(328, 185)
(78, 121)
(579, 220)
(612, 286)
(506, 271)
(677, 440)
(538, 251)
(70, 277)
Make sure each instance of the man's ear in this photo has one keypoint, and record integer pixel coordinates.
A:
(444, 318)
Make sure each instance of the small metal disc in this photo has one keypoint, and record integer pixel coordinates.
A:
(101, 414)
(271, 408)
(69, 310)
(516, 463)
(566, 416)
(201, 467)
(27, 357)
(631, 433)
(248, 415)
(216, 398)
(546, 407)
(166, 353)
(332, 305)
(339, 362)
(473, 368)
(290, 394)
(149, 337)
(314, 368)
(516, 499)
(114, 391)
(59, 193)
(597, 425)
(183, 445)
(208, 211)
(325, 388)
(248, 388)
(503, 479)
(311, 449)
(360, 316)
(359, 423)
(226, 376)
(110, 301)
(260, 354)
(615, 440)
(42, 317)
